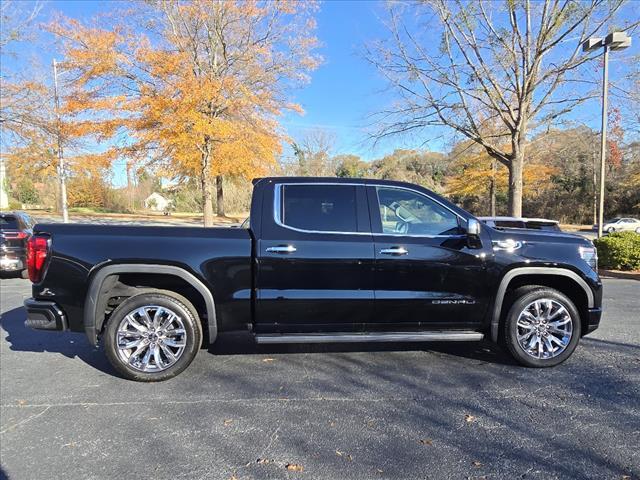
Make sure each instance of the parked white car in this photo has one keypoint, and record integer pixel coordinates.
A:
(620, 224)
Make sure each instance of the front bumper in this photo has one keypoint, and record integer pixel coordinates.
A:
(44, 315)
(593, 319)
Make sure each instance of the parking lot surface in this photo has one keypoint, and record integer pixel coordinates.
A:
(322, 412)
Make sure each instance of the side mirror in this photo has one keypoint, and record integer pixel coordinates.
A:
(473, 227)
(473, 233)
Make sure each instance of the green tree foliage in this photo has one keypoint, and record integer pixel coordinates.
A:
(351, 166)
(27, 193)
(416, 166)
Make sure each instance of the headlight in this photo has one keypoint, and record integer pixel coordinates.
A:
(589, 255)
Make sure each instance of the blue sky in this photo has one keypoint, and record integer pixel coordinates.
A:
(343, 91)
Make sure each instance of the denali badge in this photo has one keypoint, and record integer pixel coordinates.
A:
(453, 302)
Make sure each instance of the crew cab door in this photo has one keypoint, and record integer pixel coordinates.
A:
(426, 277)
(314, 259)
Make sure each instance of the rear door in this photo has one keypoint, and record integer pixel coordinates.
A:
(426, 277)
(314, 259)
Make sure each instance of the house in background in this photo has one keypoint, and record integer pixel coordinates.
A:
(157, 202)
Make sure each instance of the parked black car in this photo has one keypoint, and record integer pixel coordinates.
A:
(322, 260)
(15, 230)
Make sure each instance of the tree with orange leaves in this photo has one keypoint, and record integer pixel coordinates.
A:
(195, 87)
(479, 175)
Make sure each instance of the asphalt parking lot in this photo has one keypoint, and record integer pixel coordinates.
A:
(349, 412)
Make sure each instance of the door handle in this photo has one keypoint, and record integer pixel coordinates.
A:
(282, 249)
(394, 251)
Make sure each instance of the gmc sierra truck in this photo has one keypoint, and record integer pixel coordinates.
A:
(321, 260)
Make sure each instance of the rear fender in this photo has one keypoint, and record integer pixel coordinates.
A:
(93, 321)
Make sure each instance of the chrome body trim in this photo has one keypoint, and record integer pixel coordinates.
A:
(371, 337)
(277, 209)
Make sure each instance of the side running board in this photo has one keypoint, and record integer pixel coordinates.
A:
(442, 336)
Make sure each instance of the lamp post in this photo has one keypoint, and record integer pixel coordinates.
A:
(613, 41)
(61, 170)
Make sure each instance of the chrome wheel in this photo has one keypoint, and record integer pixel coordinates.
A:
(544, 328)
(151, 338)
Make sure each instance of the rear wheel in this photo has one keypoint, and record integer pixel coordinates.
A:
(152, 336)
(542, 328)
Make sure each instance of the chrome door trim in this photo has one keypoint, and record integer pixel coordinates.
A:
(394, 251)
(282, 249)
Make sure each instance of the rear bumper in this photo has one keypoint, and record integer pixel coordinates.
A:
(9, 263)
(593, 319)
(43, 315)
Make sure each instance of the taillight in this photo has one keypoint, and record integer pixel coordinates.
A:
(37, 254)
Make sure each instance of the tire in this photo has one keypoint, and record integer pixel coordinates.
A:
(566, 334)
(174, 349)
(611, 230)
(638, 230)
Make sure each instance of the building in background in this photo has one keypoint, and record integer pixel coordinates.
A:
(4, 198)
(157, 202)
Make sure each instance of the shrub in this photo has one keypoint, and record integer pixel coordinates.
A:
(620, 251)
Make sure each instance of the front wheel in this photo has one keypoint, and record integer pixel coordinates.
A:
(542, 328)
(152, 336)
(611, 230)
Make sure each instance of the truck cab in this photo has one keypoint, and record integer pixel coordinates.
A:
(321, 260)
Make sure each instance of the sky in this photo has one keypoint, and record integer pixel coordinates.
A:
(344, 91)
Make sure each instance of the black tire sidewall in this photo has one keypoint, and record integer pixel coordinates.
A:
(510, 328)
(176, 303)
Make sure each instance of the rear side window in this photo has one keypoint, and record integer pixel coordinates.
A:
(8, 222)
(324, 208)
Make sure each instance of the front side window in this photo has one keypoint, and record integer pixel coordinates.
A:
(323, 208)
(410, 213)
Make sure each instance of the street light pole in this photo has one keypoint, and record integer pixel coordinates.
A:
(61, 172)
(603, 137)
(613, 41)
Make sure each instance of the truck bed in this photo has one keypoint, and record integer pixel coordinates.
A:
(216, 256)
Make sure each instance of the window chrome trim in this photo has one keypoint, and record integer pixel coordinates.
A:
(277, 209)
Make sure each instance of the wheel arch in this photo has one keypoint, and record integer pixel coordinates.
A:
(562, 279)
(106, 277)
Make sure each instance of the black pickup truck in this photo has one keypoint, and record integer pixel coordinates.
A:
(321, 260)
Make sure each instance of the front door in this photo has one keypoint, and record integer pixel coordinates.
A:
(426, 276)
(315, 260)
